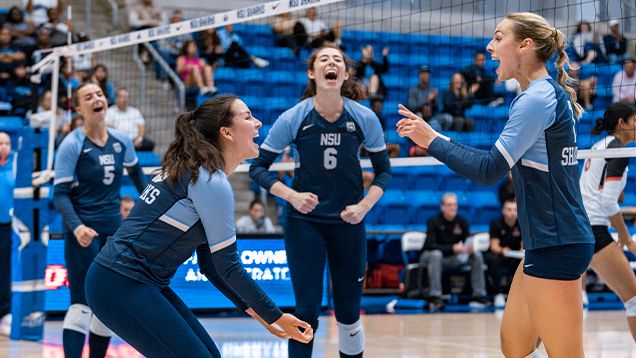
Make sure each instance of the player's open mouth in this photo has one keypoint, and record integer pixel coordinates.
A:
(331, 75)
(98, 109)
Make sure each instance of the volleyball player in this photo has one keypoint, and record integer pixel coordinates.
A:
(602, 181)
(88, 175)
(327, 205)
(539, 144)
(191, 203)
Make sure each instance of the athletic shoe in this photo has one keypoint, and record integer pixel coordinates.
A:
(480, 302)
(5, 325)
(435, 303)
(500, 300)
(260, 62)
(497, 102)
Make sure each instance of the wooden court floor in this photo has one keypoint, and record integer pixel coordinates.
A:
(387, 336)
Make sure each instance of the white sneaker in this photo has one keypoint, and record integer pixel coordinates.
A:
(167, 86)
(497, 102)
(5, 325)
(586, 301)
(500, 301)
(260, 62)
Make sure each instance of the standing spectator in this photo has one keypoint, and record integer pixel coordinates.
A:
(505, 235)
(235, 54)
(445, 237)
(9, 55)
(146, 15)
(368, 72)
(479, 82)
(194, 72)
(615, 43)
(127, 203)
(37, 9)
(129, 121)
(291, 32)
(21, 30)
(318, 32)
(170, 47)
(7, 183)
(585, 88)
(256, 221)
(457, 100)
(624, 83)
(100, 78)
(424, 99)
(588, 44)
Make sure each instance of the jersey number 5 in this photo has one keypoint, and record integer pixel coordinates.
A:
(109, 176)
(330, 158)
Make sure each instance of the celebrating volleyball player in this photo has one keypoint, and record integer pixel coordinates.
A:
(539, 144)
(327, 204)
(602, 182)
(189, 204)
(88, 175)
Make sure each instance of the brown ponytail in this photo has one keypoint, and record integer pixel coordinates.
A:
(196, 140)
(350, 88)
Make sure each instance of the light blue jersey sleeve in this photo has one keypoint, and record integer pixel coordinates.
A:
(67, 156)
(284, 130)
(130, 156)
(531, 114)
(213, 198)
(370, 125)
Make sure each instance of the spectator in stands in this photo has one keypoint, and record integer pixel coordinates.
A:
(445, 237)
(585, 88)
(20, 89)
(84, 66)
(235, 54)
(100, 78)
(377, 105)
(624, 83)
(9, 55)
(256, 221)
(291, 32)
(194, 72)
(64, 76)
(21, 30)
(146, 15)
(58, 29)
(505, 235)
(211, 49)
(507, 189)
(481, 85)
(129, 121)
(615, 43)
(7, 183)
(76, 122)
(44, 43)
(170, 47)
(127, 203)
(368, 72)
(42, 117)
(37, 10)
(457, 100)
(318, 32)
(588, 44)
(423, 99)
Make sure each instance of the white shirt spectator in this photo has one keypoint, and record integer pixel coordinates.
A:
(125, 121)
(40, 7)
(313, 27)
(623, 86)
(246, 225)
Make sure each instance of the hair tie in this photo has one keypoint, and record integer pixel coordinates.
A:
(191, 116)
(554, 32)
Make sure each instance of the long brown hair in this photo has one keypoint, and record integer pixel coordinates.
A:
(546, 40)
(197, 140)
(350, 88)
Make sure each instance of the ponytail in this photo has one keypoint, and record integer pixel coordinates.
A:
(563, 76)
(613, 114)
(197, 140)
(599, 127)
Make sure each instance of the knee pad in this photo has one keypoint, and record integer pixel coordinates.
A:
(630, 307)
(99, 328)
(78, 318)
(534, 354)
(351, 338)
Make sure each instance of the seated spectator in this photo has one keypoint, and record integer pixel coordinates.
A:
(423, 100)
(368, 72)
(100, 78)
(318, 32)
(58, 29)
(170, 47)
(481, 85)
(194, 72)
(9, 55)
(42, 117)
(64, 76)
(235, 54)
(76, 122)
(20, 89)
(585, 88)
(21, 30)
(377, 105)
(37, 10)
(127, 203)
(210, 47)
(446, 234)
(456, 101)
(129, 121)
(85, 64)
(615, 43)
(40, 51)
(256, 221)
(588, 44)
(507, 189)
(624, 83)
(146, 15)
(505, 235)
(291, 32)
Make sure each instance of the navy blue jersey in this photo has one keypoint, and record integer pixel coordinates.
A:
(328, 163)
(95, 177)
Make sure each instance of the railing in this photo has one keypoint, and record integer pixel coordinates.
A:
(142, 71)
(173, 75)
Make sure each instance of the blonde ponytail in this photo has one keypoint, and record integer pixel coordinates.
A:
(563, 76)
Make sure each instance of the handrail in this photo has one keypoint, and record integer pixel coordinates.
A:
(173, 75)
(115, 9)
(142, 70)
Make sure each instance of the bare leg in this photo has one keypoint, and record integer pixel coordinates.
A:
(613, 267)
(208, 76)
(337, 31)
(374, 83)
(195, 80)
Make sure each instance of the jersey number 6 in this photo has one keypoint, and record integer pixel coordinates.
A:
(330, 158)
